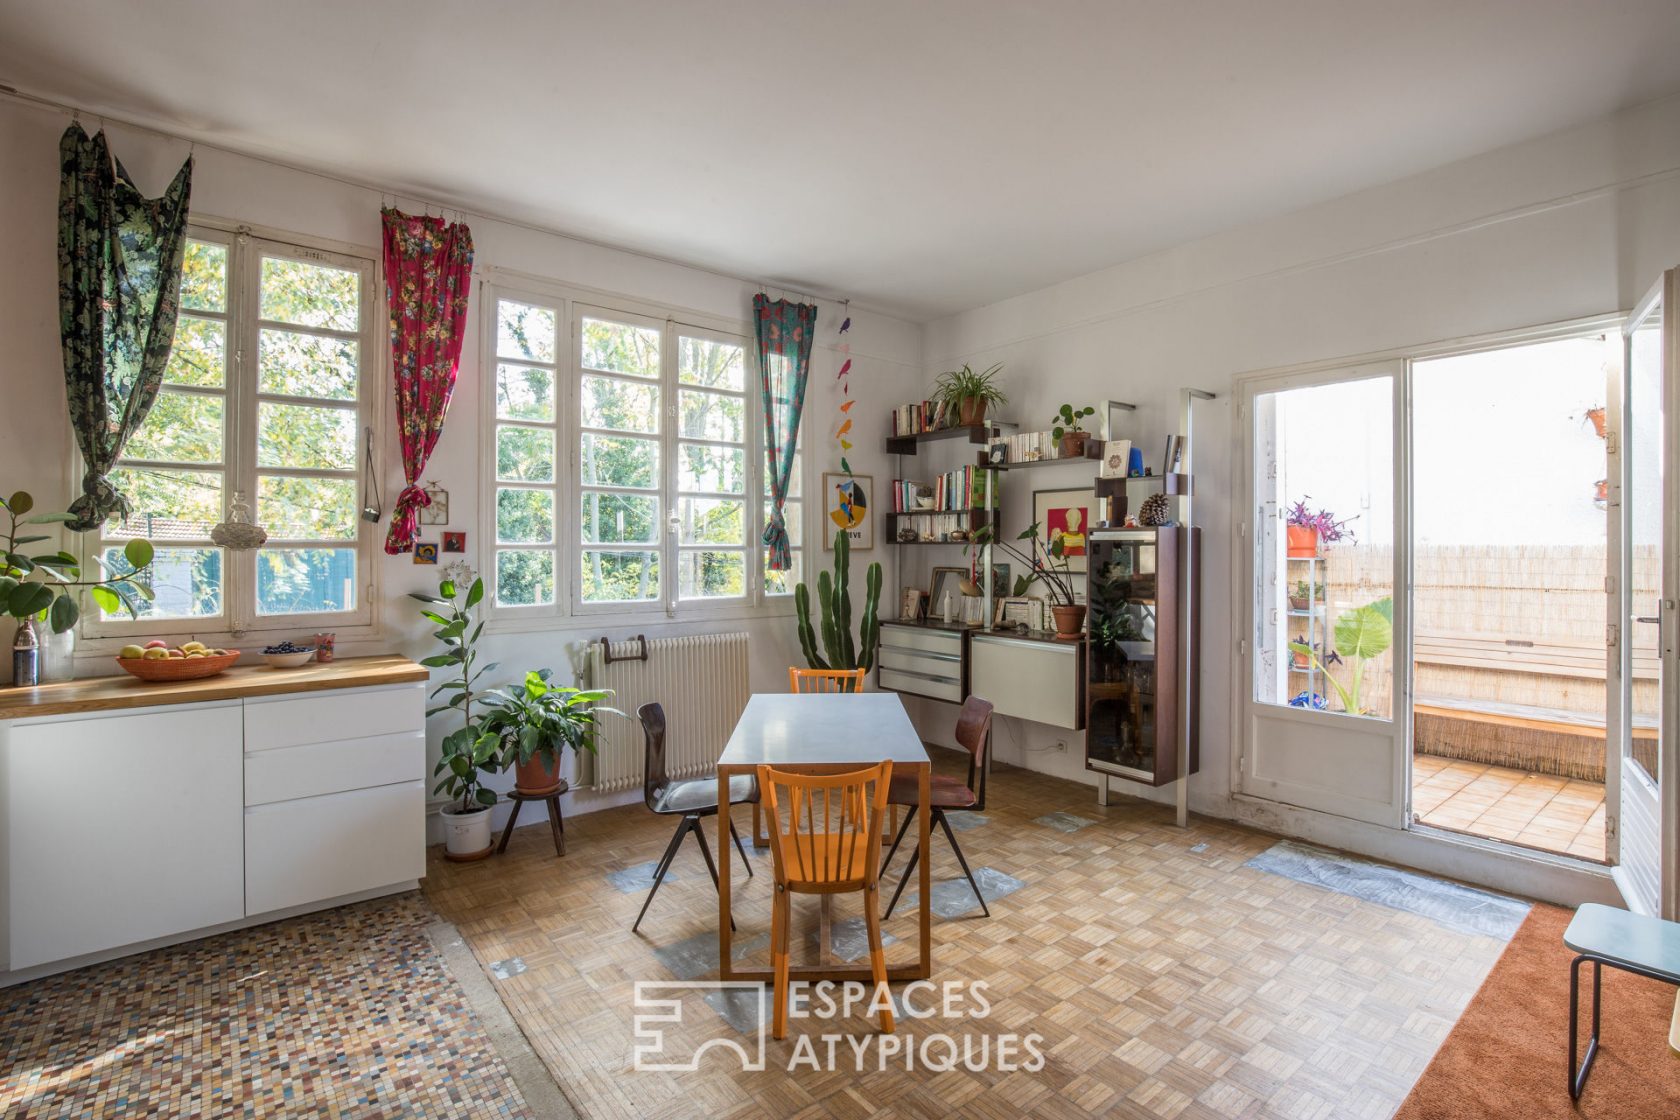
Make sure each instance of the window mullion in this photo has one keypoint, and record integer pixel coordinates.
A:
(239, 568)
(670, 554)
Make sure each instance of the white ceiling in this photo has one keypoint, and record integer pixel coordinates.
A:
(924, 156)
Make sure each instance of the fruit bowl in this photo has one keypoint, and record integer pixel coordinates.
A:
(178, 668)
(289, 660)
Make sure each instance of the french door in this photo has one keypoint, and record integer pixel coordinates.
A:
(1644, 588)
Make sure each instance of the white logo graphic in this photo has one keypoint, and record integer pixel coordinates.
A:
(650, 1054)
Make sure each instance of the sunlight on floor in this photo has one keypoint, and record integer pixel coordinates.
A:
(1543, 811)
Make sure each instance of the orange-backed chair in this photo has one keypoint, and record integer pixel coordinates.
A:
(830, 844)
(825, 680)
(947, 795)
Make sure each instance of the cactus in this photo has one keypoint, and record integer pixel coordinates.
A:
(834, 600)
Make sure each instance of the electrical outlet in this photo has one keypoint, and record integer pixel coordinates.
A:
(1059, 745)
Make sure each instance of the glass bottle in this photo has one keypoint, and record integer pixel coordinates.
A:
(26, 656)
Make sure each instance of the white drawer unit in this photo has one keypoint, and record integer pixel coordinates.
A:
(314, 848)
(323, 717)
(922, 661)
(311, 769)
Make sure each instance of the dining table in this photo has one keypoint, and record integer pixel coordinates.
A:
(825, 733)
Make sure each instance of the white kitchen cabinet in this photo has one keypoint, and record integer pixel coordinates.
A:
(121, 828)
(337, 844)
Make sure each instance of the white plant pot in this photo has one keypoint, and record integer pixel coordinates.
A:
(466, 835)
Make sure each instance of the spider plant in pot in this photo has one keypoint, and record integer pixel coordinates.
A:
(1070, 432)
(1045, 564)
(468, 750)
(534, 721)
(968, 395)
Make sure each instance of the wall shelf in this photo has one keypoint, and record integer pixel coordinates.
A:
(976, 433)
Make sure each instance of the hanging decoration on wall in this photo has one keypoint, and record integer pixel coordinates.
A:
(428, 270)
(783, 337)
(844, 377)
(119, 286)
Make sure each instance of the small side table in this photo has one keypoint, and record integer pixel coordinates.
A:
(1633, 943)
(555, 824)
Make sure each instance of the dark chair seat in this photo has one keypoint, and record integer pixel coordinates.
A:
(944, 792)
(699, 795)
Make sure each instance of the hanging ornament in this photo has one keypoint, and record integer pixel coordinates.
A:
(239, 533)
(844, 376)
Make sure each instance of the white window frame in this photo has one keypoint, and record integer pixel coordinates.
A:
(571, 305)
(247, 246)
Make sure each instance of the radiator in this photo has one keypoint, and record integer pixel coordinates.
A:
(702, 682)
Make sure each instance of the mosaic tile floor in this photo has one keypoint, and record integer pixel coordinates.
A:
(348, 1013)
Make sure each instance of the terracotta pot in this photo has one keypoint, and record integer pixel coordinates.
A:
(1596, 415)
(1069, 622)
(1601, 490)
(539, 775)
(1073, 445)
(971, 411)
(1302, 541)
(1299, 604)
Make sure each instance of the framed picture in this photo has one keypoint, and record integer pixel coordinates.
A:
(912, 604)
(455, 542)
(438, 512)
(1000, 580)
(947, 580)
(425, 552)
(846, 504)
(1065, 515)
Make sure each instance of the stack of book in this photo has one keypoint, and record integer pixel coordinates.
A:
(923, 416)
(959, 490)
(1023, 447)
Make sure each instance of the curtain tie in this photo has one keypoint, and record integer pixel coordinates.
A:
(405, 519)
(99, 500)
(776, 540)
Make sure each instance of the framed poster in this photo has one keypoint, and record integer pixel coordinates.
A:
(947, 581)
(1065, 515)
(912, 605)
(846, 504)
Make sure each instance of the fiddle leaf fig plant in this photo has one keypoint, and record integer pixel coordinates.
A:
(45, 585)
(1361, 635)
(469, 749)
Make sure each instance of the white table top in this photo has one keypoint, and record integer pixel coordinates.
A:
(789, 729)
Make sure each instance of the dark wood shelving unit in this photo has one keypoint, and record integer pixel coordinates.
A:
(976, 433)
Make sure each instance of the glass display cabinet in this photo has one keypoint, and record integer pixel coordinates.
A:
(1141, 661)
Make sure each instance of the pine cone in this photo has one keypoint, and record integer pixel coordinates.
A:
(1155, 510)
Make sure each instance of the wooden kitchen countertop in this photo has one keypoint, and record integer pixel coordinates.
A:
(97, 694)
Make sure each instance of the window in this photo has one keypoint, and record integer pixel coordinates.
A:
(265, 397)
(665, 499)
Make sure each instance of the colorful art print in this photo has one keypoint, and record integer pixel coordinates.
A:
(846, 505)
(425, 553)
(454, 542)
(1064, 516)
(912, 604)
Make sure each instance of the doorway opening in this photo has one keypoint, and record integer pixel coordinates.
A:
(1509, 542)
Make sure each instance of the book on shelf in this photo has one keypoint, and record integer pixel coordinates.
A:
(921, 416)
(962, 489)
(1024, 447)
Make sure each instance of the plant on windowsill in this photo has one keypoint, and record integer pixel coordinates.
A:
(1361, 635)
(45, 588)
(1307, 532)
(534, 721)
(967, 395)
(1069, 431)
(468, 750)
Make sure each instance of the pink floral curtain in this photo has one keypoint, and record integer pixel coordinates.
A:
(428, 272)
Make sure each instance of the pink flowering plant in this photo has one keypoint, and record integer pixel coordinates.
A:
(1330, 528)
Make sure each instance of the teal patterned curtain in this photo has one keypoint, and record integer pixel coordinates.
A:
(119, 284)
(784, 334)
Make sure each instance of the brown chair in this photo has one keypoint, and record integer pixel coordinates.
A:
(825, 680)
(831, 844)
(693, 799)
(947, 795)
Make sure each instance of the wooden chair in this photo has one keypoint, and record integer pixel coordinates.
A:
(825, 680)
(831, 844)
(811, 680)
(693, 799)
(946, 794)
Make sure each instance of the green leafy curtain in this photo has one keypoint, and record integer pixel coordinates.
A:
(784, 333)
(119, 286)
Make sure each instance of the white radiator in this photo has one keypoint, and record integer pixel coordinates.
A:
(702, 683)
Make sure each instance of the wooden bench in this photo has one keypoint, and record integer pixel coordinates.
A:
(1539, 740)
(1633, 943)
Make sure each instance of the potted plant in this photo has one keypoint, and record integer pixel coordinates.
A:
(44, 588)
(1361, 635)
(1301, 598)
(534, 721)
(1045, 564)
(1069, 431)
(1308, 531)
(1595, 417)
(468, 749)
(968, 395)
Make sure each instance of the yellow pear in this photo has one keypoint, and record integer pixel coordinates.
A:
(156, 653)
(130, 651)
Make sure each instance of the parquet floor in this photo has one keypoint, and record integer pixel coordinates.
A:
(1167, 979)
(1537, 810)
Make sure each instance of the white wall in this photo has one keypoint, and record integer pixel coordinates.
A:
(1570, 225)
(35, 436)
